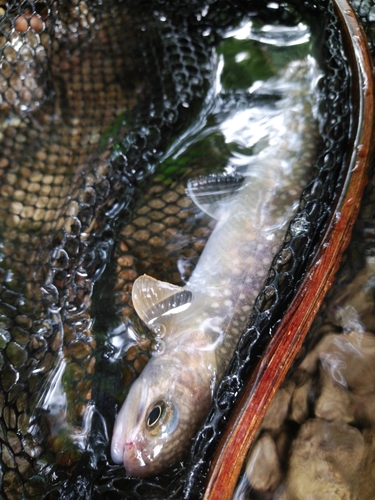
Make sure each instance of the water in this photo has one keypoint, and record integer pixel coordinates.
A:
(164, 236)
(239, 120)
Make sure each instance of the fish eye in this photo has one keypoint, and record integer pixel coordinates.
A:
(162, 417)
(155, 414)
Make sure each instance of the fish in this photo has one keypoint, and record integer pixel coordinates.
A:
(197, 326)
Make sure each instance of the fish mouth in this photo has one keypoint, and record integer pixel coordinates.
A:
(117, 451)
(135, 462)
(131, 455)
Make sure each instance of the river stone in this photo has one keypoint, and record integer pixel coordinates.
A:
(263, 467)
(366, 480)
(364, 409)
(326, 459)
(299, 405)
(278, 409)
(334, 402)
(354, 303)
(347, 358)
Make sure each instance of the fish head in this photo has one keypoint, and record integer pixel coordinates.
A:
(160, 416)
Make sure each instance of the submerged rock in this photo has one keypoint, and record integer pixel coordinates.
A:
(263, 468)
(325, 461)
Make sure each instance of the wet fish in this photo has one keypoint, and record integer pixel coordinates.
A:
(197, 326)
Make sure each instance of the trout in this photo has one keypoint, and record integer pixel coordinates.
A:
(197, 326)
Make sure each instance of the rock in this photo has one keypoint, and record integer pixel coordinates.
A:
(334, 402)
(326, 460)
(263, 466)
(311, 362)
(349, 360)
(358, 297)
(364, 409)
(278, 409)
(366, 480)
(299, 406)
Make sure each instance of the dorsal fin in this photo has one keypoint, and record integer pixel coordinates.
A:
(154, 299)
(213, 193)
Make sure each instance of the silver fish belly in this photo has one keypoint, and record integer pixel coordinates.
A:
(198, 325)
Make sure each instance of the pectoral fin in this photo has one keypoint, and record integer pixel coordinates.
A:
(214, 194)
(153, 299)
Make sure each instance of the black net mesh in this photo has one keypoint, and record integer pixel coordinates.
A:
(91, 96)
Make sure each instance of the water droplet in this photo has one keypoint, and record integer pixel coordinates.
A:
(299, 226)
(159, 330)
(4, 337)
(158, 346)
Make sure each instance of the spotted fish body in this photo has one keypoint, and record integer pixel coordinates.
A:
(197, 326)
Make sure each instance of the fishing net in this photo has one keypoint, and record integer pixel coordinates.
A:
(92, 94)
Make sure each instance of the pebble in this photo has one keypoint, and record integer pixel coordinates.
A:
(326, 458)
(263, 468)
